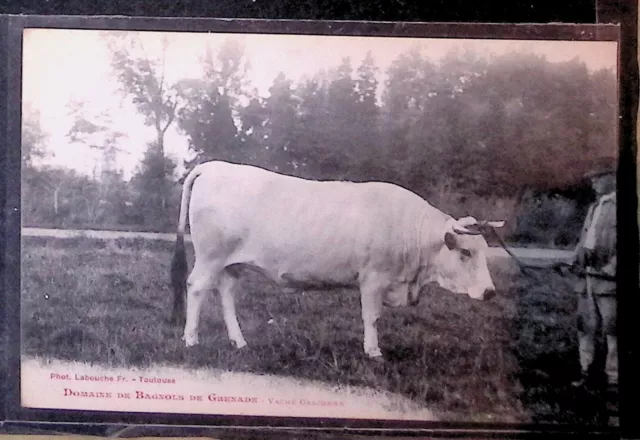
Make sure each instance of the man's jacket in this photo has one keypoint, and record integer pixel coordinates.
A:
(599, 256)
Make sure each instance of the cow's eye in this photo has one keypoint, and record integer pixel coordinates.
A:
(465, 253)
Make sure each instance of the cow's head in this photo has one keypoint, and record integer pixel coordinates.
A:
(458, 260)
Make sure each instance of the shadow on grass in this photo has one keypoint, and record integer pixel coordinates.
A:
(547, 352)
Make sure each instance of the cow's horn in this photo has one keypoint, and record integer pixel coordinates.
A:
(460, 226)
(467, 221)
(462, 230)
(493, 224)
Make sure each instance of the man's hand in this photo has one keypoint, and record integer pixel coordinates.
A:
(581, 257)
(610, 268)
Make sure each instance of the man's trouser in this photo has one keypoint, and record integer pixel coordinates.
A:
(598, 313)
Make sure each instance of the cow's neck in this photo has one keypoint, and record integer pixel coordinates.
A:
(430, 234)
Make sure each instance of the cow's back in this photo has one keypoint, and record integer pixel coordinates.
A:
(299, 228)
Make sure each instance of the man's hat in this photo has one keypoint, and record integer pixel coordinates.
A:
(601, 168)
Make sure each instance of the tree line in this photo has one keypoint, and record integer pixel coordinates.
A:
(474, 134)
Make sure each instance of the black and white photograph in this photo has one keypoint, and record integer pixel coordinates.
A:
(331, 226)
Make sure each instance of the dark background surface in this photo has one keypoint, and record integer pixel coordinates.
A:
(531, 11)
(539, 11)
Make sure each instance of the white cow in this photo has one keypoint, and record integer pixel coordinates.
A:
(377, 236)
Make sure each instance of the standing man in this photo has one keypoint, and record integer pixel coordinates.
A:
(595, 258)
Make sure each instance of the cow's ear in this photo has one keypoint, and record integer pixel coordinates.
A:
(450, 240)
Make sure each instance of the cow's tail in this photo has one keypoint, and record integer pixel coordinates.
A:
(179, 266)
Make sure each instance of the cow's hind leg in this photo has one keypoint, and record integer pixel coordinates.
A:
(371, 300)
(201, 281)
(226, 287)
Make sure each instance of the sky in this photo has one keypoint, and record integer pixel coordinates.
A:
(61, 66)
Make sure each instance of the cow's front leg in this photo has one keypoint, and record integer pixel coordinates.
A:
(371, 300)
(227, 296)
(198, 285)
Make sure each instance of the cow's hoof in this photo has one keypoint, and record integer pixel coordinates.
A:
(190, 341)
(375, 354)
(240, 344)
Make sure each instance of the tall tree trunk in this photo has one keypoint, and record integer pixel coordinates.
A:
(55, 201)
(163, 177)
(522, 195)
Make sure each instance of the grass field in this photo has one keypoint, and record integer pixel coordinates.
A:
(508, 360)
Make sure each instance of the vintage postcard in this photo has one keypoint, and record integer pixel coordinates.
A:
(325, 225)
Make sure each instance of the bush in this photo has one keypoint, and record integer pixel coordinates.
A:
(550, 221)
(537, 219)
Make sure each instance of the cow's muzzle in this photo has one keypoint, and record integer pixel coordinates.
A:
(413, 302)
